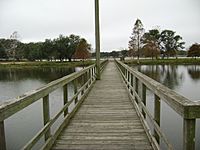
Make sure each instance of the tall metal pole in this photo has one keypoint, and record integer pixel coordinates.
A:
(97, 37)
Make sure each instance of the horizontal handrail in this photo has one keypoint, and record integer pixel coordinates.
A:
(189, 110)
(7, 109)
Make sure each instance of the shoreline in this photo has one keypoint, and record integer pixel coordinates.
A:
(170, 61)
(30, 64)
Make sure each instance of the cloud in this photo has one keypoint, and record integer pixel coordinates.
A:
(36, 20)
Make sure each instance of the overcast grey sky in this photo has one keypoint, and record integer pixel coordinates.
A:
(37, 20)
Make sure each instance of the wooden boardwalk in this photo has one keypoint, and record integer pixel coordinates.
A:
(106, 120)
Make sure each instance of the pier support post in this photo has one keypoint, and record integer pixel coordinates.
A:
(189, 134)
(97, 35)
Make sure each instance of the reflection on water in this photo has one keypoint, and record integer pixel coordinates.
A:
(22, 126)
(44, 74)
(194, 72)
(168, 75)
(184, 79)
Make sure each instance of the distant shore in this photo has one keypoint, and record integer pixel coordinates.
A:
(170, 61)
(28, 64)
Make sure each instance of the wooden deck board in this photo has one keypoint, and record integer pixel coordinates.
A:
(106, 119)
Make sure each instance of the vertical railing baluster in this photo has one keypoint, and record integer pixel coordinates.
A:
(82, 82)
(46, 115)
(157, 115)
(144, 98)
(136, 88)
(86, 79)
(128, 79)
(92, 75)
(65, 97)
(75, 89)
(132, 84)
(2, 136)
(89, 72)
(125, 75)
(189, 134)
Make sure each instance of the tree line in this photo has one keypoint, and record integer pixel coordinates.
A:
(63, 47)
(155, 43)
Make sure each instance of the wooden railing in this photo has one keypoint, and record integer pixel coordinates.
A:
(137, 84)
(7, 109)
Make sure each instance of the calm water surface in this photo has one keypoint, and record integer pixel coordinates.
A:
(22, 126)
(185, 80)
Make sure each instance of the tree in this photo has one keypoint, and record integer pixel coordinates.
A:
(3, 54)
(151, 50)
(48, 50)
(62, 46)
(135, 42)
(33, 51)
(132, 48)
(14, 43)
(83, 50)
(151, 42)
(194, 50)
(73, 43)
(114, 54)
(170, 43)
(20, 51)
(66, 46)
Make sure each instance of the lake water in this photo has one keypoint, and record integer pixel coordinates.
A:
(185, 80)
(22, 126)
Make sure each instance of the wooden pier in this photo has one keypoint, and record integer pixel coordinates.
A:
(109, 114)
(106, 120)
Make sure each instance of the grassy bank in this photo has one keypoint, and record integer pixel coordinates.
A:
(180, 61)
(45, 64)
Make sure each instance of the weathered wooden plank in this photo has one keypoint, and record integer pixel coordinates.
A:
(102, 147)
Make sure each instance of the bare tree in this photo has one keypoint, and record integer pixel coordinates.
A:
(14, 42)
(135, 42)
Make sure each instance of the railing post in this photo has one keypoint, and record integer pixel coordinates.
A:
(189, 134)
(65, 97)
(46, 115)
(75, 89)
(143, 98)
(2, 136)
(157, 116)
